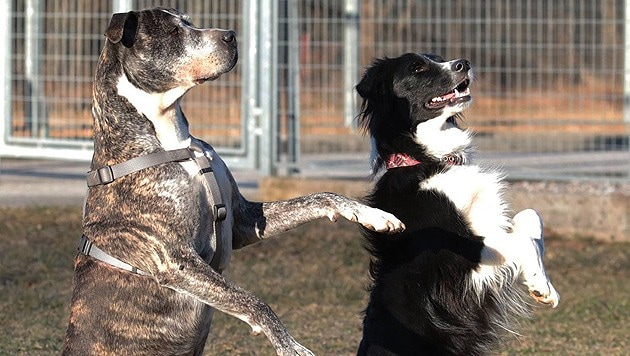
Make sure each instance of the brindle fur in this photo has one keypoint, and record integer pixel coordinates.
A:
(159, 219)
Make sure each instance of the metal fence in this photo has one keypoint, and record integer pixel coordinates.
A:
(52, 48)
(552, 85)
(552, 82)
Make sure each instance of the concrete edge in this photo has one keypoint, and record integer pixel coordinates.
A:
(566, 211)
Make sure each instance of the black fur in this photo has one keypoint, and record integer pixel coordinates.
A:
(421, 302)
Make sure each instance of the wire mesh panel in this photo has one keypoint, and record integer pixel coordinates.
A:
(549, 74)
(55, 48)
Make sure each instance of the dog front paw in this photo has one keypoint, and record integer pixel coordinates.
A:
(375, 219)
(544, 293)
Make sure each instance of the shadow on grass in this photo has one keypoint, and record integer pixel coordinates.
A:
(315, 279)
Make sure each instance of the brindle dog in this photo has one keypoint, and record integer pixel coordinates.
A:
(160, 218)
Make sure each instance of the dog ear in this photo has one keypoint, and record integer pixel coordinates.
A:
(373, 79)
(123, 28)
(367, 84)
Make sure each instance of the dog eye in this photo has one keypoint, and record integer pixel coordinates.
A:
(175, 31)
(419, 67)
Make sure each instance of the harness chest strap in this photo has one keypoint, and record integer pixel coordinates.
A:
(108, 174)
(87, 248)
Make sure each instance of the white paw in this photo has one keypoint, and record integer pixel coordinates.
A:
(377, 220)
(543, 292)
(529, 229)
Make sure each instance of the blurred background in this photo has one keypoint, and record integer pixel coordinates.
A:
(551, 99)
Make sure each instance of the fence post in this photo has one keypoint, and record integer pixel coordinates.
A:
(35, 115)
(293, 86)
(121, 6)
(626, 63)
(268, 85)
(5, 69)
(350, 60)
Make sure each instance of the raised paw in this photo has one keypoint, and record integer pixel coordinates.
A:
(377, 220)
(545, 294)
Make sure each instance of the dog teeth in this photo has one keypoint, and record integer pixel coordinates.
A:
(454, 94)
(459, 94)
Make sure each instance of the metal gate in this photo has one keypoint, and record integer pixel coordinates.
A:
(51, 50)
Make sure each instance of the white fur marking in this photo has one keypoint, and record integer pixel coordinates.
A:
(438, 139)
(478, 196)
(162, 109)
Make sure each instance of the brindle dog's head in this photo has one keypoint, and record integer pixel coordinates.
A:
(162, 49)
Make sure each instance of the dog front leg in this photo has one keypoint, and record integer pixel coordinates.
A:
(190, 275)
(528, 231)
(522, 249)
(255, 221)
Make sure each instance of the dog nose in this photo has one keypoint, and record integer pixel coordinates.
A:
(228, 37)
(461, 65)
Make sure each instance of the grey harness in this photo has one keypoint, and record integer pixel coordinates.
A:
(108, 174)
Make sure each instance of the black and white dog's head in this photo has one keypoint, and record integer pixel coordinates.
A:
(162, 49)
(411, 105)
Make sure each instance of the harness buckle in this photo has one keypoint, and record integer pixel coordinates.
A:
(85, 245)
(105, 175)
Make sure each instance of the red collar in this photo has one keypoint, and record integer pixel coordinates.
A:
(401, 160)
(397, 160)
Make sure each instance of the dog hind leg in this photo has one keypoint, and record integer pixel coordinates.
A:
(190, 275)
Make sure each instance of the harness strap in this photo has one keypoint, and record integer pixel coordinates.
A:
(219, 210)
(205, 166)
(87, 248)
(108, 174)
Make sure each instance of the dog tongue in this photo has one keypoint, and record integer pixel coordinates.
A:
(455, 94)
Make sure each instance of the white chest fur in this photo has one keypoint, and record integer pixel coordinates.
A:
(171, 129)
(478, 195)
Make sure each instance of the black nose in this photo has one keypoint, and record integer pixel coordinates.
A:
(228, 37)
(461, 65)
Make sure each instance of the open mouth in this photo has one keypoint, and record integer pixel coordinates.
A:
(460, 94)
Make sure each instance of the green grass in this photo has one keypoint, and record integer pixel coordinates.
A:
(314, 278)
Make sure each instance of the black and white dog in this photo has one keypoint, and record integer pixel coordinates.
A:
(449, 284)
